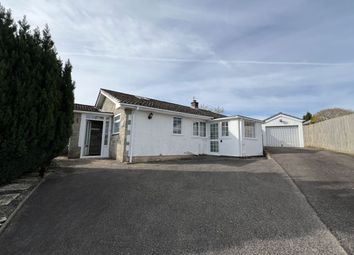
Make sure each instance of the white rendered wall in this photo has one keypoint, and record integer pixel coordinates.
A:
(236, 144)
(229, 145)
(253, 146)
(154, 137)
(286, 121)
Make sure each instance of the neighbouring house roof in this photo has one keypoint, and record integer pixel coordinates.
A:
(87, 108)
(280, 113)
(153, 103)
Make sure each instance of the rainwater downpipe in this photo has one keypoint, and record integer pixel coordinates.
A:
(240, 136)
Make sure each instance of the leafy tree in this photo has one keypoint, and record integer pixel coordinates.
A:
(36, 99)
(307, 116)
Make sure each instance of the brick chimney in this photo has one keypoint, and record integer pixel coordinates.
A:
(194, 104)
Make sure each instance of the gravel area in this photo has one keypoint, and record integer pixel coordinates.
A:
(12, 194)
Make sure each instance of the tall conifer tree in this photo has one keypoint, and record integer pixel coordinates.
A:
(36, 98)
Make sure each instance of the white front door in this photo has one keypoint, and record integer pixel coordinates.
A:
(95, 132)
(93, 141)
(214, 139)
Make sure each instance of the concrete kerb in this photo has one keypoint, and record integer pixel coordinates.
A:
(269, 156)
(8, 220)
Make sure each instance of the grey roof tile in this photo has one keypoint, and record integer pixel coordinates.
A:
(153, 103)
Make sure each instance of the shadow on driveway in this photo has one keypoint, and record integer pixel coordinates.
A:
(292, 150)
(195, 160)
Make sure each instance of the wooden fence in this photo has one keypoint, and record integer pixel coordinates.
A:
(335, 134)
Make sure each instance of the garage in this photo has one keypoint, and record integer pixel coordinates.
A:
(283, 130)
(282, 136)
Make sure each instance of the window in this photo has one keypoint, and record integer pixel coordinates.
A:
(116, 124)
(202, 129)
(224, 128)
(214, 146)
(195, 128)
(250, 129)
(177, 125)
(214, 132)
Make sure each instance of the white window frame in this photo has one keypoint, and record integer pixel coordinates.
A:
(174, 129)
(200, 129)
(197, 129)
(217, 134)
(214, 146)
(114, 122)
(246, 133)
(225, 129)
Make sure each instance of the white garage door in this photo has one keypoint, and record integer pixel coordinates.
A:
(282, 136)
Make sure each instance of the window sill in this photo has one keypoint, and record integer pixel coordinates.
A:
(250, 138)
(115, 134)
(177, 134)
(197, 136)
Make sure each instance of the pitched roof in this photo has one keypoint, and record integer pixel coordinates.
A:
(153, 103)
(280, 113)
(87, 108)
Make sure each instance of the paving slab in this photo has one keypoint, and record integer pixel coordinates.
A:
(28, 180)
(2, 219)
(15, 187)
(6, 199)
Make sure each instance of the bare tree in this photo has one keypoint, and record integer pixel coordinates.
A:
(217, 109)
(330, 114)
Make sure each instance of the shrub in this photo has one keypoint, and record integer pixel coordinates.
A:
(307, 116)
(36, 99)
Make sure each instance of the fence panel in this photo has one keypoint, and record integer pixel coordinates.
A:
(335, 134)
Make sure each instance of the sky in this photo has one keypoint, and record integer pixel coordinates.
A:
(253, 58)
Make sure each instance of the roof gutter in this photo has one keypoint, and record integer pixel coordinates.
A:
(146, 108)
(240, 135)
(237, 117)
(97, 113)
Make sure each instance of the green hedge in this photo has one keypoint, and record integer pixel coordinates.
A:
(36, 99)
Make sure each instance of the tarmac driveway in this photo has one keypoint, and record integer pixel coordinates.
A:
(327, 180)
(206, 206)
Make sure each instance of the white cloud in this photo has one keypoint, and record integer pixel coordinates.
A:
(249, 57)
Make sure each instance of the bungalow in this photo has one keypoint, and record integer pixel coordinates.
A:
(132, 128)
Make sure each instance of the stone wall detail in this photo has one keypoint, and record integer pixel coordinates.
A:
(74, 150)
